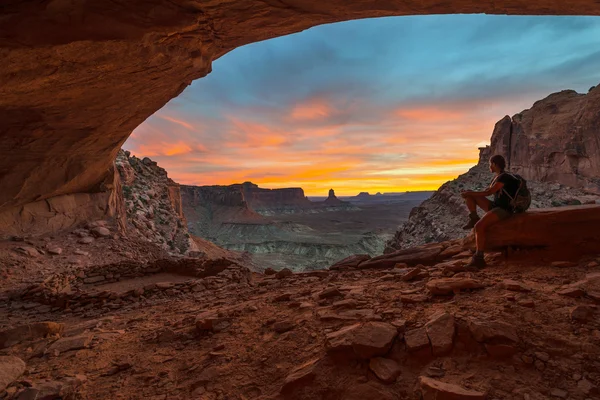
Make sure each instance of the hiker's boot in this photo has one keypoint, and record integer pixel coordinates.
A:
(473, 218)
(477, 262)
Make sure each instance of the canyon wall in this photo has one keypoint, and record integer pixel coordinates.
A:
(556, 140)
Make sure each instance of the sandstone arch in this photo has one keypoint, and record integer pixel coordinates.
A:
(77, 76)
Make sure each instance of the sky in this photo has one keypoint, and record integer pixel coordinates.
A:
(377, 105)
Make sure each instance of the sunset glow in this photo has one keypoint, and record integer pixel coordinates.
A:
(338, 107)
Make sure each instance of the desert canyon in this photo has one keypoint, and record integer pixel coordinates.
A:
(116, 282)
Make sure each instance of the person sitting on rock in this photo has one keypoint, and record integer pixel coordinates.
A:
(500, 208)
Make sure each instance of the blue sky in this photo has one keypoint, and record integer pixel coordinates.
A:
(387, 104)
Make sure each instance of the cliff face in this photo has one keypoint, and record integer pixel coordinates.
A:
(557, 140)
(267, 201)
(153, 204)
(207, 208)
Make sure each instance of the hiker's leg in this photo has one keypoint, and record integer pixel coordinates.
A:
(488, 219)
(484, 203)
(472, 203)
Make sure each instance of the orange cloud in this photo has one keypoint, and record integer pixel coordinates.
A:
(313, 109)
(429, 114)
(167, 149)
(176, 121)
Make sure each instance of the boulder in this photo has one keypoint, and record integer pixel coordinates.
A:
(495, 332)
(440, 330)
(583, 313)
(283, 326)
(445, 286)
(514, 286)
(329, 293)
(300, 376)
(385, 369)
(364, 341)
(432, 389)
(413, 256)
(373, 339)
(33, 331)
(71, 343)
(572, 229)
(100, 231)
(28, 250)
(416, 339)
(210, 321)
(350, 262)
(284, 273)
(11, 368)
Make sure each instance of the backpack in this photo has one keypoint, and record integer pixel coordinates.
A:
(522, 199)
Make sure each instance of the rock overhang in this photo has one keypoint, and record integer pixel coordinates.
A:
(77, 77)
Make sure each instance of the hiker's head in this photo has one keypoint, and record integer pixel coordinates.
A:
(497, 163)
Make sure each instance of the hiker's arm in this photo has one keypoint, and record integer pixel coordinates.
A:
(489, 191)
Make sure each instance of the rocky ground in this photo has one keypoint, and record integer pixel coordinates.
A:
(207, 327)
(442, 216)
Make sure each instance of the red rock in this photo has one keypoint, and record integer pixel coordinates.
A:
(445, 286)
(209, 321)
(563, 264)
(385, 369)
(100, 231)
(493, 332)
(373, 339)
(300, 376)
(283, 297)
(583, 313)
(55, 251)
(28, 250)
(536, 228)
(329, 293)
(571, 292)
(33, 331)
(270, 271)
(341, 340)
(283, 326)
(500, 350)
(71, 343)
(413, 256)
(347, 303)
(452, 251)
(412, 274)
(432, 389)
(440, 330)
(413, 298)
(400, 325)
(365, 341)
(350, 262)
(284, 273)
(11, 368)
(515, 286)
(416, 339)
